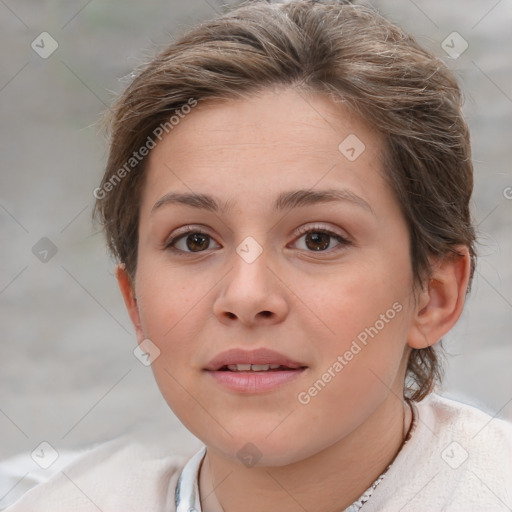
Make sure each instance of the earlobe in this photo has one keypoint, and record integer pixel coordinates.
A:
(440, 305)
(128, 292)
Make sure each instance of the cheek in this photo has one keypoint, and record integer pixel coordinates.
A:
(172, 313)
(166, 298)
(353, 299)
(359, 363)
(365, 318)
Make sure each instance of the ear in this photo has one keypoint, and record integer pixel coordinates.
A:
(440, 304)
(130, 301)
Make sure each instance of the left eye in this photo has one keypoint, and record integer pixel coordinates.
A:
(320, 240)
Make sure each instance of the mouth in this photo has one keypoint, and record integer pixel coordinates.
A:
(257, 368)
(256, 371)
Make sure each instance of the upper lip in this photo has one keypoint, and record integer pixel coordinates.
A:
(257, 356)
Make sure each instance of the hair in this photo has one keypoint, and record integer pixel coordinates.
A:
(352, 54)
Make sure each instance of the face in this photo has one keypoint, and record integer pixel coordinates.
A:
(298, 259)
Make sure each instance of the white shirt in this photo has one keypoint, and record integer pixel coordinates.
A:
(459, 459)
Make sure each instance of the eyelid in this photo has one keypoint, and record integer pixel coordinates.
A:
(320, 227)
(189, 228)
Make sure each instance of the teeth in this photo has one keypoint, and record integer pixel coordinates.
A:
(252, 367)
(259, 367)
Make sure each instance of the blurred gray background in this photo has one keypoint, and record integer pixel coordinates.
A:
(67, 370)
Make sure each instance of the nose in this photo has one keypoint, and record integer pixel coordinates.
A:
(251, 293)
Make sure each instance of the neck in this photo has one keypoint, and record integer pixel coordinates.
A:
(329, 481)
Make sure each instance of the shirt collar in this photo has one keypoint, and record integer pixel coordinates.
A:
(187, 488)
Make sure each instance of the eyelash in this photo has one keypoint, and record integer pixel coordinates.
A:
(188, 230)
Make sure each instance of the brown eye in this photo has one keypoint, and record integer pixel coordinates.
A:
(320, 240)
(190, 242)
(197, 242)
(317, 241)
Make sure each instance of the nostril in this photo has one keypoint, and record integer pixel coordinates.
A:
(265, 314)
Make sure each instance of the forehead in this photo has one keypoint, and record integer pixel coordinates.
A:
(274, 140)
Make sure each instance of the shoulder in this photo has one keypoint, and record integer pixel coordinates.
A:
(123, 474)
(455, 420)
(459, 458)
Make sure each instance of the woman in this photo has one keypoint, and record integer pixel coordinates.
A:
(287, 195)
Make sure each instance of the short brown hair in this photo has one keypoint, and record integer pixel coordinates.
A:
(349, 52)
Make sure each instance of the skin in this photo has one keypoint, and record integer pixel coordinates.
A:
(307, 304)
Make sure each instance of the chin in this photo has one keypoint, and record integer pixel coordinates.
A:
(256, 448)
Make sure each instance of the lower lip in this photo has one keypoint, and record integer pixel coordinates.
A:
(255, 382)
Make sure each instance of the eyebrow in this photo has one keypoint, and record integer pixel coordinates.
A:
(285, 200)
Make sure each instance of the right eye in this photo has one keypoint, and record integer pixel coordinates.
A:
(192, 241)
